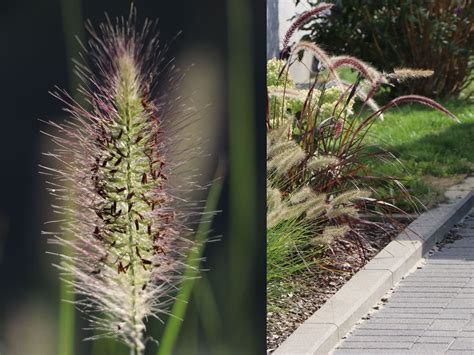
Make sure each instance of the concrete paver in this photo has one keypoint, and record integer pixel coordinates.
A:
(431, 311)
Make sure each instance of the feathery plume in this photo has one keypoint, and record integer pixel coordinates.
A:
(366, 98)
(300, 21)
(321, 162)
(321, 55)
(367, 71)
(349, 196)
(421, 100)
(330, 233)
(285, 161)
(300, 202)
(342, 211)
(303, 195)
(282, 153)
(403, 74)
(130, 226)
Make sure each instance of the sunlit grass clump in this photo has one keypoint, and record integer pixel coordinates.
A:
(325, 174)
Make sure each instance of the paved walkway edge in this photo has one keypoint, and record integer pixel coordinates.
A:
(320, 333)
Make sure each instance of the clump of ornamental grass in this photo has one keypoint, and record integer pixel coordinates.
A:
(320, 181)
(323, 119)
(289, 252)
(301, 223)
(290, 195)
(318, 170)
(125, 188)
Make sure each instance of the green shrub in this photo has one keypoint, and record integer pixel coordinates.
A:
(428, 34)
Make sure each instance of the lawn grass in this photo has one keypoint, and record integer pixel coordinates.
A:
(435, 151)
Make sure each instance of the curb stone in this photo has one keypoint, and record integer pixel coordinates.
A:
(320, 333)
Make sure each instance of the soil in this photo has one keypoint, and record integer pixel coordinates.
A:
(312, 288)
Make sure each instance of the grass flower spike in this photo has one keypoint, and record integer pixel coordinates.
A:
(300, 21)
(128, 229)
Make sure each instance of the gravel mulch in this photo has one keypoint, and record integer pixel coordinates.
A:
(309, 290)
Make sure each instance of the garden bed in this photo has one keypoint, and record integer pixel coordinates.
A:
(391, 264)
(311, 288)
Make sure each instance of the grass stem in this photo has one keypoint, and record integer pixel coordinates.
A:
(72, 24)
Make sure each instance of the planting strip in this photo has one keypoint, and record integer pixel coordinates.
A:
(320, 333)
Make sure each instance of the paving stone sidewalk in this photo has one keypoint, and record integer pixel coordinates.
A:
(431, 311)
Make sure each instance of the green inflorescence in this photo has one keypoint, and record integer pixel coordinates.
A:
(128, 176)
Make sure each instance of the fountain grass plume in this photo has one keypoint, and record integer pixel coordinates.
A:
(300, 21)
(131, 213)
(367, 71)
(420, 100)
(321, 55)
(403, 74)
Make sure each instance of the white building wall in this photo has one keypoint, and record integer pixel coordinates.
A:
(279, 16)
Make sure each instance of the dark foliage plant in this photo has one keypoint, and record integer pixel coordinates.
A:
(436, 35)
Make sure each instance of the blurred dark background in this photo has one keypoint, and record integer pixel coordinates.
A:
(36, 39)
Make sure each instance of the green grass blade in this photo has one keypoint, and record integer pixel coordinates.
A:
(66, 326)
(178, 310)
(207, 306)
(73, 29)
(244, 239)
(72, 26)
